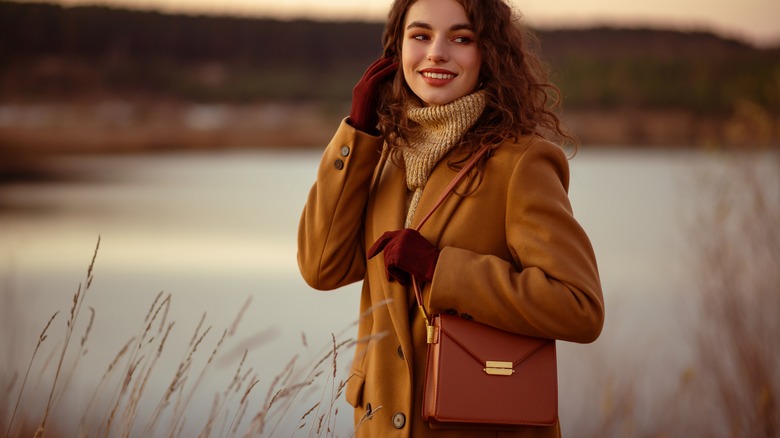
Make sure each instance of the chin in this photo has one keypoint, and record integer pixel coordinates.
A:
(438, 96)
(437, 99)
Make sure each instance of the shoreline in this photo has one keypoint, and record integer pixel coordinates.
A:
(34, 135)
(122, 126)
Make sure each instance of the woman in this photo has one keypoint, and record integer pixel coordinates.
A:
(504, 249)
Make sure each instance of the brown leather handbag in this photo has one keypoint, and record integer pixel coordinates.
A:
(478, 376)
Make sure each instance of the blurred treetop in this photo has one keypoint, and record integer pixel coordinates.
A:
(51, 52)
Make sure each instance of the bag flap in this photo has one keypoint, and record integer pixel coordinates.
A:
(485, 343)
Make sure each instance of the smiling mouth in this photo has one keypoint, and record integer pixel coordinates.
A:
(438, 75)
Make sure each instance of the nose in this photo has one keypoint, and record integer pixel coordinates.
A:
(437, 51)
(435, 57)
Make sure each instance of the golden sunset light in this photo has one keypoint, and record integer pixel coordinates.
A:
(235, 175)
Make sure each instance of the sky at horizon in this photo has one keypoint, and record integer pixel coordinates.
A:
(754, 21)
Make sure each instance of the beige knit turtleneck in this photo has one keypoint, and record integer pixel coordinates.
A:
(442, 127)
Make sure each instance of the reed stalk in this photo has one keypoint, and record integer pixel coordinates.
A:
(42, 337)
(78, 301)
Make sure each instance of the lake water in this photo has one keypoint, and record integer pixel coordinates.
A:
(217, 229)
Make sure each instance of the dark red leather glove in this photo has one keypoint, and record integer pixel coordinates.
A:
(407, 253)
(363, 115)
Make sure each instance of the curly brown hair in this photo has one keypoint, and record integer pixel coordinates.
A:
(521, 99)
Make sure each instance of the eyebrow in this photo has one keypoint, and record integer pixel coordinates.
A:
(422, 25)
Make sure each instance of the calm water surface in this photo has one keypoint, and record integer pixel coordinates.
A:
(217, 229)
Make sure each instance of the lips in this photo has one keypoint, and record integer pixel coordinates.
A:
(433, 75)
(437, 77)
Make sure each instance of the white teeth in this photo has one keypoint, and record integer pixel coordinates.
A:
(437, 75)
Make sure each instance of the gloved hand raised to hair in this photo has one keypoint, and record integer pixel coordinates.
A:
(407, 253)
(363, 115)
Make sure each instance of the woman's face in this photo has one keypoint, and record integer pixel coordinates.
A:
(439, 53)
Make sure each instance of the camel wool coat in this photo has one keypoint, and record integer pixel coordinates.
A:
(512, 256)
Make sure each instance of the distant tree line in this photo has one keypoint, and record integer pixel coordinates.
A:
(53, 52)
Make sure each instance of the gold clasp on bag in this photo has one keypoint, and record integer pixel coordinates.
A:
(433, 333)
(496, 368)
(430, 329)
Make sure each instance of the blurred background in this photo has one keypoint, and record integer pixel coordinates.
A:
(185, 135)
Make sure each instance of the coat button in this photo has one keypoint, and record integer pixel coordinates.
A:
(344, 151)
(399, 420)
(400, 352)
(338, 164)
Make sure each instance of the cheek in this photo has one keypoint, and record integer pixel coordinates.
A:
(407, 62)
(472, 61)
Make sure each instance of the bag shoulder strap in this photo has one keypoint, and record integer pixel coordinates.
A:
(450, 187)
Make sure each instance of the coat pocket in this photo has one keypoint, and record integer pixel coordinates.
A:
(354, 389)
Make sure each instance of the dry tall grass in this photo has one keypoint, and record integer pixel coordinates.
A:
(732, 388)
(738, 270)
(115, 405)
(721, 377)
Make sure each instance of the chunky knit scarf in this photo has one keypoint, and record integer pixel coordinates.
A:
(442, 127)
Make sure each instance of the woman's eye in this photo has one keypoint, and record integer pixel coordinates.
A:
(463, 40)
(420, 37)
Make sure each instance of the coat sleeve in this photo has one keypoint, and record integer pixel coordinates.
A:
(551, 288)
(331, 251)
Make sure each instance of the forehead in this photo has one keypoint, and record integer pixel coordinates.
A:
(444, 13)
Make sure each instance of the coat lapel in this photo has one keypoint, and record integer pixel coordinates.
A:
(387, 212)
